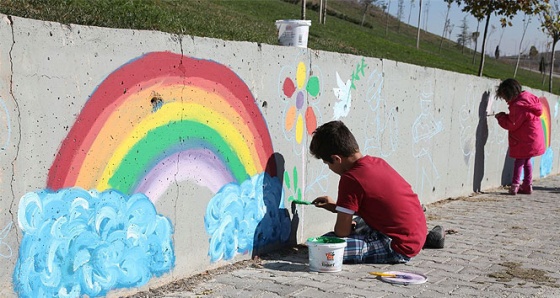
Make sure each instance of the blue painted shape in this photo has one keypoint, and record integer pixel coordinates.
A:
(547, 160)
(242, 217)
(77, 242)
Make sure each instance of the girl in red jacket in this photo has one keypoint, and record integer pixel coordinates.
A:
(525, 133)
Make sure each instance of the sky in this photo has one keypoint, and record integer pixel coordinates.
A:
(507, 38)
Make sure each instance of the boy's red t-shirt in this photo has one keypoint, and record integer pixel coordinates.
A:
(386, 202)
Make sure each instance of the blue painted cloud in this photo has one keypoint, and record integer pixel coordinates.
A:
(240, 218)
(78, 242)
(547, 160)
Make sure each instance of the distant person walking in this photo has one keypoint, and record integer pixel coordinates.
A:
(525, 133)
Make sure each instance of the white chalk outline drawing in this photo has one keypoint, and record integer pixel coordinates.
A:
(5, 249)
(424, 128)
(8, 126)
(319, 184)
(382, 131)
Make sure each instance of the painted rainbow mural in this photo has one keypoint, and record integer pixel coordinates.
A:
(162, 118)
(546, 121)
(157, 120)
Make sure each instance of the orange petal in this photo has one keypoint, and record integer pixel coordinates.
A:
(290, 118)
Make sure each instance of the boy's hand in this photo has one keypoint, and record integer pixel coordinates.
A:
(500, 114)
(325, 202)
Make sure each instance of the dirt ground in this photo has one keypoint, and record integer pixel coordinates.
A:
(189, 283)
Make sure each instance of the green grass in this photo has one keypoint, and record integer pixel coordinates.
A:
(253, 20)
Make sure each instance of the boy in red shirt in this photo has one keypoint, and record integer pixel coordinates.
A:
(390, 226)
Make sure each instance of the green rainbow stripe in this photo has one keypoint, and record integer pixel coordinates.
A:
(144, 155)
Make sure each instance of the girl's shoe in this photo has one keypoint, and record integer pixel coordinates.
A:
(526, 189)
(514, 189)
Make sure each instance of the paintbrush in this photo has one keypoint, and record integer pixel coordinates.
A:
(393, 275)
(302, 202)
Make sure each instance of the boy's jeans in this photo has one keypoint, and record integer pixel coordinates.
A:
(366, 245)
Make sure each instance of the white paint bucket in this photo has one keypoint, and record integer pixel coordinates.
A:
(293, 32)
(326, 254)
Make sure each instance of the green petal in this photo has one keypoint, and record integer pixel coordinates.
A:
(313, 86)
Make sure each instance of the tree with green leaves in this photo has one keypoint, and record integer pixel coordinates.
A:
(533, 52)
(550, 23)
(506, 9)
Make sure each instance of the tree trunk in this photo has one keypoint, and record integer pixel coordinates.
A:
(410, 12)
(551, 74)
(526, 24)
(320, 11)
(325, 12)
(445, 24)
(418, 32)
(387, 18)
(303, 9)
(542, 69)
(516, 65)
(476, 43)
(482, 55)
(365, 12)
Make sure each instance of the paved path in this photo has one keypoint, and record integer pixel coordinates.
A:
(497, 246)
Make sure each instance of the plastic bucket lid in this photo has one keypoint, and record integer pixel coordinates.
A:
(294, 22)
(326, 240)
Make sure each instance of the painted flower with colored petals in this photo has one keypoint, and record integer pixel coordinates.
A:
(300, 117)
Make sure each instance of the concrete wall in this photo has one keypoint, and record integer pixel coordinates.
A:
(132, 158)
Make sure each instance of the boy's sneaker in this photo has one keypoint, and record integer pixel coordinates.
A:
(435, 238)
(514, 189)
(526, 189)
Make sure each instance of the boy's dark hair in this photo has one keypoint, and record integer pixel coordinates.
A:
(509, 89)
(333, 138)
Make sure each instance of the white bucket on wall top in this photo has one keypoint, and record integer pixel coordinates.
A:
(293, 32)
(326, 254)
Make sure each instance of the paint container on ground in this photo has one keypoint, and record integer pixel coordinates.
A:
(293, 32)
(325, 253)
